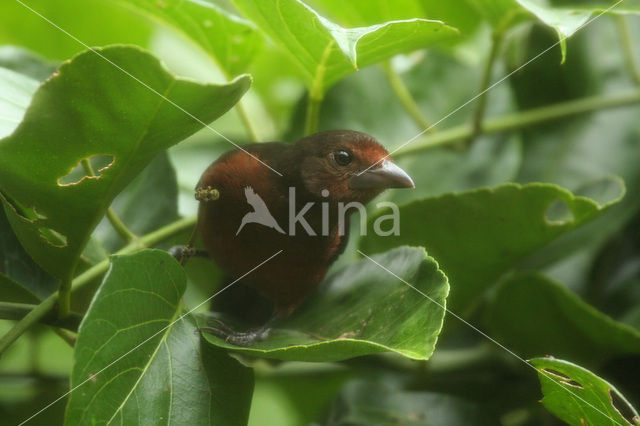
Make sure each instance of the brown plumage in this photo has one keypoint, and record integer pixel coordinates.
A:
(328, 161)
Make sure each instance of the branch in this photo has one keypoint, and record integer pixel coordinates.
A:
(522, 120)
(313, 114)
(244, 117)
(404, 96)
(40, 311)
(627, 47)
(478, 116)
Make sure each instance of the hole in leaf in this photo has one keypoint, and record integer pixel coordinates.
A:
(622, 407)
(564, 379)
(28, 214)
(603, 191)
(54, 238)
(99, 163)
(558, 213)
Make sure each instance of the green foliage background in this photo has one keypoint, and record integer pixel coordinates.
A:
(525, 220)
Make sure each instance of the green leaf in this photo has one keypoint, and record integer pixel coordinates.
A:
(566, 20)
(325, 51)
(568, 328)
(362, 309)
(95, 23)
(137, 358)
(231, 41)
(17, 90)
(92, 110)
(369, 12)
(478, 235)
(11, 291)
(19, 267)
(579, 397)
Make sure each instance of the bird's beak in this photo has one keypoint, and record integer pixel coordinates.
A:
(388, 175)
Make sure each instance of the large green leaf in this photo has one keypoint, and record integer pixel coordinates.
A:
(144, 360)
(362, 309)
(91, 109)
(579, 397)
(326, 51)
(569, 328)
(231, 41)
(478, 235)
(369, 12)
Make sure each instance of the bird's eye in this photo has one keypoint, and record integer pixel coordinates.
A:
(342, 158)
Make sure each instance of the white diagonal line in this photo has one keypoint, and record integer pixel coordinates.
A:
(560, 40)
(149, 338)
(148, 87)
(489, 337)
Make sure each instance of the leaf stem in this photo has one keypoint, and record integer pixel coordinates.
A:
(313, 114)
(120, 227)
(244, 117)
(113, 218)
(522, 120)
(627, 47)
(404, 96)
(478, 116)
(64, 293)
(41, 310)
(17, 311)
(66, 335)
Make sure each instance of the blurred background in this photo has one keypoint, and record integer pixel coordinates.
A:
(467, 378)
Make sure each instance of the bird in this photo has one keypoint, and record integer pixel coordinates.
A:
(323, 172)
(260, 213)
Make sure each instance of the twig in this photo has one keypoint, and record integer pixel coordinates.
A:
(404, 96)
(478, 116)
(627, 48)
(523, 119)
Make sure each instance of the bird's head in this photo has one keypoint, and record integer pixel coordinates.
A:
(351, 165)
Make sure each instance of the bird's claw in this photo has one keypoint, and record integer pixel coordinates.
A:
(183, 253)
(237, 338)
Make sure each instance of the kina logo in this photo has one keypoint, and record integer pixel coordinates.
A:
(260, 213)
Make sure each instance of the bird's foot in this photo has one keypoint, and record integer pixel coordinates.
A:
(238, 338)
(184, 253)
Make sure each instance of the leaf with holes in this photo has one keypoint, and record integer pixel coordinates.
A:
(231, 41)
(363, 309)
(138, 358)
(569, 328)
(90, 109)
(325, 51)
(478, 235)
(579, 397)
